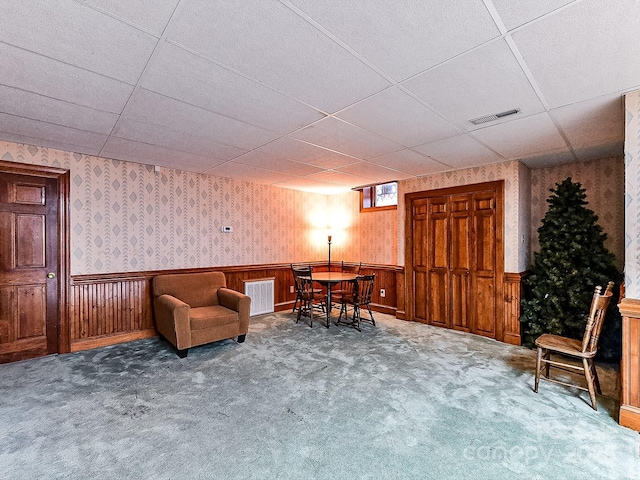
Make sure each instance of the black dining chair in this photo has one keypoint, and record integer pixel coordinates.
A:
(347, 286)
(310, 298)
(295, 269)
(359, 298)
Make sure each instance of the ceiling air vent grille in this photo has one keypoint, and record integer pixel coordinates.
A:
(495, 116)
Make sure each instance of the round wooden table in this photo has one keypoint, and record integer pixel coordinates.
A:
(329, 279)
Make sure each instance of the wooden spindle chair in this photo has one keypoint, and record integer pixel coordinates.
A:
(584, 349)
(344, 288)
(294, 270)
(358, 298)
(310, 298)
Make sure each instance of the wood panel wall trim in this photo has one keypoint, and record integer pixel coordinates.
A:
(112, 308)
(630, 364)
(512, 297)
(119, 276)
(106, 340)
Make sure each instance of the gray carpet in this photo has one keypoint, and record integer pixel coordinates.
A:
(400, 400)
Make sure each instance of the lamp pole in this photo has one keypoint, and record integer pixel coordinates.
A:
(329, 242)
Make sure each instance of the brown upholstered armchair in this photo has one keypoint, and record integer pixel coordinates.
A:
(192, 309)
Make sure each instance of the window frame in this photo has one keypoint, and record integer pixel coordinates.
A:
(371, 189)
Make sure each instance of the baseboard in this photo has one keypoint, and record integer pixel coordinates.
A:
(630, 417)
(280, 307)
(512, 339)
(383, 309)
(106, 340)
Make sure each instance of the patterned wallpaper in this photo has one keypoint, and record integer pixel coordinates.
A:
(515, 252)
(632, 194)
(524, 214)
(125, 217)
(603, 180)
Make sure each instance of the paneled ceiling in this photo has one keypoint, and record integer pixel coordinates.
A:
(319, 95)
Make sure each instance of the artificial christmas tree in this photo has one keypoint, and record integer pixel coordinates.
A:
(572, 261)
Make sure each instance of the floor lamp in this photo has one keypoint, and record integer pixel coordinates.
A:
(329, 242)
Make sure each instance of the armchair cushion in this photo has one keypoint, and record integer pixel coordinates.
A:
(215, 315)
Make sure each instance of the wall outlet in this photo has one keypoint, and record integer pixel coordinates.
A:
(226, 229)
(291, 289)
(383, 292)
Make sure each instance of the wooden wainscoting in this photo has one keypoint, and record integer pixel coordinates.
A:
(117, 307)
(512, 297)
(630, 365)
(110, 308)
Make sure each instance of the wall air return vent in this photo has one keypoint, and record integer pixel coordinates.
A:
(495, 116)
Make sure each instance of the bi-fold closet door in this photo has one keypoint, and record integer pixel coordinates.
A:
(455, 270)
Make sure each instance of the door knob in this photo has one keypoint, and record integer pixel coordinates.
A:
(51, 275)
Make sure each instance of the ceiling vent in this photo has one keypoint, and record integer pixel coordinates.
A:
(495, 116)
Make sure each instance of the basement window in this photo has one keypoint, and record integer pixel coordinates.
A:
(383, 196)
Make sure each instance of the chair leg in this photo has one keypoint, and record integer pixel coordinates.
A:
(295, 304)
(182, 353)
(371, 315)
(538, 368)
(547, 365)
(594, 372)
(356, 317)
(242, 338)
(299, 311)
(343, 309)
(589, 377)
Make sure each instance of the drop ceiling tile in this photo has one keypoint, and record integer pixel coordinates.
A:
(179, 74)
(518, 12)
(49, 131)
(339, 178)
(483, 82)
(459, 152)
(599, 121)
(149, 107)
(35, 73)
(151, 16)
(404, 37)
(164, 137)
(262, 159)
(78, 36)
(373, 172)
(124, 149)
(300, 151)
(312, 186)
(38, 107)
(274, 45)
(48, 143)
(523, 138)
(249, 173)
(397, 116)
(410, 162)
(572, 59)
(346, 138)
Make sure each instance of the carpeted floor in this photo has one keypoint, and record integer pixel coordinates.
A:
(400, 400)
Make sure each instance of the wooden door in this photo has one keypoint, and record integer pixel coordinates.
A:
(459, 264)
(484, 275)
(454, 253)
(437, 289)
(29, 266)
(420, 257)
